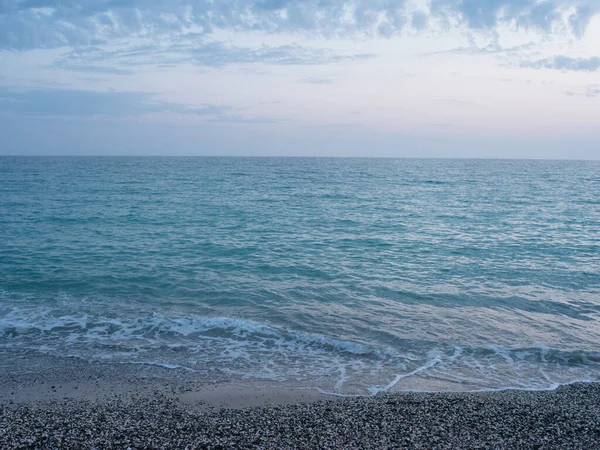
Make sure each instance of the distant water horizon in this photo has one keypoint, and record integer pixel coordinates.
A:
(351, 276)
(291, 156)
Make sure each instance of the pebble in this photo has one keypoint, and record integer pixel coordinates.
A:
(568, 418)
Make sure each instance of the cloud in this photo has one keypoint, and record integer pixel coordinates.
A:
(493, 48)
(81, 103)
(106, 70)
(539, 14)
(219, 54)
(591, 91)
(213, 54)
(235, 118)
(562, 62)
(316, 80)
(26, 24)
(419, 20)
(64, 102)
(122, 61)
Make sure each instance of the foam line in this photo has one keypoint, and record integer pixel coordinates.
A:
(398, 377)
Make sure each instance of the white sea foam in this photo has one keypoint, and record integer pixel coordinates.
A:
(244, 349)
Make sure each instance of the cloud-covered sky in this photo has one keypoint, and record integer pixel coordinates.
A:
(417, 78)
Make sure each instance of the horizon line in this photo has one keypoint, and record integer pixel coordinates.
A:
(294, 157)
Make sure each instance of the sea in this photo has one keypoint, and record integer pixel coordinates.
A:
(347, 276)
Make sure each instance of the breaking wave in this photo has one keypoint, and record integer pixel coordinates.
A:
(241, 349)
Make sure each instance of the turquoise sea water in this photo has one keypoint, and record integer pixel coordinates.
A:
(350, 276)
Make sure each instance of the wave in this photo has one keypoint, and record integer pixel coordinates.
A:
(242, 349)
(43, 324)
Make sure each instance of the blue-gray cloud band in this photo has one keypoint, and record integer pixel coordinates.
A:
(83, 103)
(26, 24)
(562, 62)
(213, 54)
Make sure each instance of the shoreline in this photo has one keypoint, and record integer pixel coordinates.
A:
(120, 407)
(47, 382)
(32, 380)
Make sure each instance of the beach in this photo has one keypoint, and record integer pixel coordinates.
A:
(298, 303)
(82, 405)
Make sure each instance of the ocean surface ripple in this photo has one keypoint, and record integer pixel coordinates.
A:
(351, 276)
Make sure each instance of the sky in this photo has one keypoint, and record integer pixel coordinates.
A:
(393, 78)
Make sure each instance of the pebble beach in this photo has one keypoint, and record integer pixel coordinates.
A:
(99, 412)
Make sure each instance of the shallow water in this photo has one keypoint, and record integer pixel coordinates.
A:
(348, 275)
